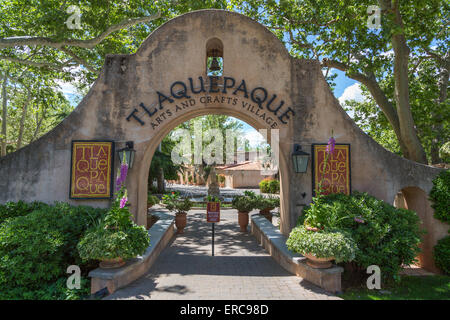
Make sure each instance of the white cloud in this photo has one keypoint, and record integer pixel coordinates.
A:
(352, 92)
(254, 137)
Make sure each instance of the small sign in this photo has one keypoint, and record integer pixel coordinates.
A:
(91, 169)
(213, 212)
(336, 174)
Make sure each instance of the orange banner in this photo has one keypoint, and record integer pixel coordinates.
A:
(91, 169)
(336, 173)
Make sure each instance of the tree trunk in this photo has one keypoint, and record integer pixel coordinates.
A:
(4, 113)
(160, 181)
(22, 121)
(408, 133)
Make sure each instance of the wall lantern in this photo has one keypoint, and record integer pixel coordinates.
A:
(300, 159)
(129, 152)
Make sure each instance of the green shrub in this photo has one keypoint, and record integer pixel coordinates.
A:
(264, 186)
(152, 200)
(37, 248)
(322, 244)
(441, 254)
(263, 203)
(19, 208)
(444, 152)
(101, 243)
(440, 196)
(385, 236)
(173, 202)
(243, 203)
(273, 186)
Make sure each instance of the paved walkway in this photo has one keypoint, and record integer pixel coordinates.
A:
(240, 269)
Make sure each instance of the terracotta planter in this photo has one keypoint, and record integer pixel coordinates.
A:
(111, 263)
(180, 222)
(243, 220)
(318, 263)
(266, 213)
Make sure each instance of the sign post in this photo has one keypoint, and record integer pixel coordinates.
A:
(212, 216)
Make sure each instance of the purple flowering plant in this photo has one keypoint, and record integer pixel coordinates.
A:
(118, 218)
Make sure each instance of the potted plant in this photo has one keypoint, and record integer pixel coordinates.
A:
(266, 205)
(115, 237)
(181, 207)
(151, 200)
(321, 247)
(243, 204)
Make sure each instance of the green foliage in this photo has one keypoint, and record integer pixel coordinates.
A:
(444, 152)
(19, 208)
(440, 196)
(269, 186)
(244, 203)
(152, 200)
(441, 254)
(37, 248)
(322, 244)
(101, 243)
(409, 288)
(385, 236)
(115, 235)
(173, 202)
(263, 203)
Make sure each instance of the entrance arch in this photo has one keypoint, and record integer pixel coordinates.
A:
(142, 169)
(141, 97)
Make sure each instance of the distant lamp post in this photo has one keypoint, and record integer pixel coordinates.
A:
(129, 152)
(300, 159)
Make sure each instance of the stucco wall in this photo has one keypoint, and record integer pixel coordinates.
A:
(176, 52)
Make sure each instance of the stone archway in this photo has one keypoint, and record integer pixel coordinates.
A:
(141, 97)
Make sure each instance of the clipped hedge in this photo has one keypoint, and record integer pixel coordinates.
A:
(440, 196)
(441, 254)
(37, 248)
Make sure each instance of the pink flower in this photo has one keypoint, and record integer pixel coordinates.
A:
(123, 202)
(331, 145)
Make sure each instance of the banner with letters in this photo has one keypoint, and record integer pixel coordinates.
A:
(91, 169)
(336, 175)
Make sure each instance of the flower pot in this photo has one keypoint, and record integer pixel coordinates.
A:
(266, 213)
(180, 222)
(243, 220)
(112, 263)
(318, 263)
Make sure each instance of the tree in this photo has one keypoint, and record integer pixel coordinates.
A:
(35, 36)
(336, 34)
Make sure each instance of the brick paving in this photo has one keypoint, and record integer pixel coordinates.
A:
(240, 269)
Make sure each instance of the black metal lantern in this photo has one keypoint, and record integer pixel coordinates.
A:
(300, 159)
(128, 152)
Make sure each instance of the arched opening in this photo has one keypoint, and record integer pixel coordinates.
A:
(414, 198)
(152, 146)
(214, 57)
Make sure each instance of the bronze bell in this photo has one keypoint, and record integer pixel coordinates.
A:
(214, 65)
